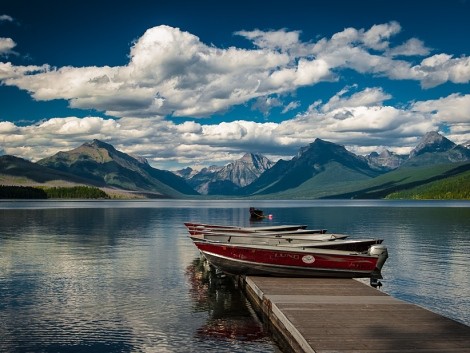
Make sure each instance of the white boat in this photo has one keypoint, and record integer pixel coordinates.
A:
(207, 227)
(323, 241)
(266, 237)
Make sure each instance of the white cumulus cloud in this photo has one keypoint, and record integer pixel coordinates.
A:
(172, 72)
(283, 40)
(6, 18)
(6, 46)
(452, 111)
(352, 118)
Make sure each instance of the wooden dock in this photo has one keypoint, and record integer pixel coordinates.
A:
(345, 315)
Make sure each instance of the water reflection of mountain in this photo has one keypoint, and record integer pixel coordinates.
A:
(230, 316)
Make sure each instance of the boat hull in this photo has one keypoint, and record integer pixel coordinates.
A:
(275, 261)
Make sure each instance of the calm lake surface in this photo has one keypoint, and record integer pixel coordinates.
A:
(122, 276)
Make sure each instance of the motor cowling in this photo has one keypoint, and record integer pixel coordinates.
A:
(381, 252)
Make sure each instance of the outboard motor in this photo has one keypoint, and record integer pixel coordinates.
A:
(380, 251)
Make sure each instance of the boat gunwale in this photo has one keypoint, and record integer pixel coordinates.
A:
(307, 242)
(306, 237)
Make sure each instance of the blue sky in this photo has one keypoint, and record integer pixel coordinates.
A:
(187, 83)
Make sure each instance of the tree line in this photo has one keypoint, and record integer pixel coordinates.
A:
(453, 188)
(29, 192)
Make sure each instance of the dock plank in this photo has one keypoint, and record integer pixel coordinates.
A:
(325, 315)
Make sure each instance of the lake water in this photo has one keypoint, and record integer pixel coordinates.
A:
(122, 276)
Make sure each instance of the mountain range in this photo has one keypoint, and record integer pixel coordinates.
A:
(320, 170)
(97, 164)
(229, 179)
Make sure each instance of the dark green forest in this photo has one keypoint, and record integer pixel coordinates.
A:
(453, 188)
(21, 192)
(28, 192)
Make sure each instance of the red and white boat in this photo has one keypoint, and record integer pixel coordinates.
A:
(268, 260)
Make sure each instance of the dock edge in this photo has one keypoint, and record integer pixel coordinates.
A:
(283, 330)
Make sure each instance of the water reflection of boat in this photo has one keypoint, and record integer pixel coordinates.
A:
(229, 315)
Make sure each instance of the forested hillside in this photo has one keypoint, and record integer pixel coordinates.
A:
(28, 192)
(453, 188)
